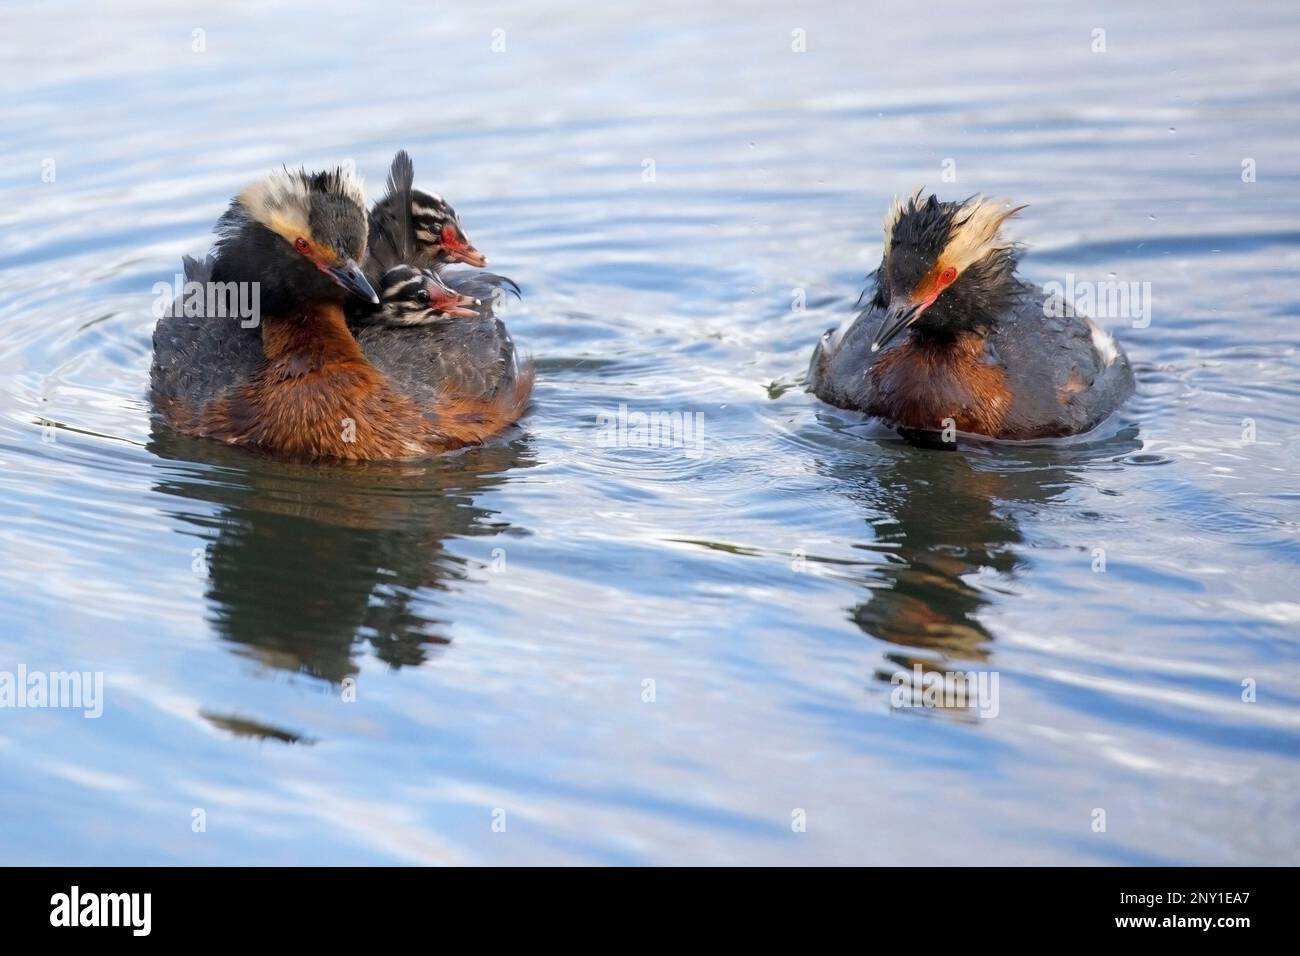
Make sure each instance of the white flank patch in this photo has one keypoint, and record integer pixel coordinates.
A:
(1103, 343)
(832, 337)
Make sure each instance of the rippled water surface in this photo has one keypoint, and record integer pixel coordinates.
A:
(631, 655)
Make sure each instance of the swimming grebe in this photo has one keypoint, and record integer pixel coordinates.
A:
(301, 384)
(952, 339)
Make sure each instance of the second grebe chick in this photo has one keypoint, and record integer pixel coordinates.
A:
(411, 296)
(953, 339)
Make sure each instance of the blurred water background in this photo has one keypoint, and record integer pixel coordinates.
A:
(672, 655)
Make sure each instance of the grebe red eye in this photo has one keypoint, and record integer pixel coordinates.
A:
(947, 275)
(301, 244)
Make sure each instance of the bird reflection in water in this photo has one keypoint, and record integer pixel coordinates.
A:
(307, 563)
(947, 525)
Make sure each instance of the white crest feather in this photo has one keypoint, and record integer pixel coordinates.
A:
(281, 201)
(976, 227)
(976, 231)
(282, 193)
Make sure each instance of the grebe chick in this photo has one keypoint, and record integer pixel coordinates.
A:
(421, 229)
(435, 229)
(952, 338)
(411, 296)
(472, 355)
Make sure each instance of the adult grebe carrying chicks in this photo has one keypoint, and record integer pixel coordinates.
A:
(299, 382)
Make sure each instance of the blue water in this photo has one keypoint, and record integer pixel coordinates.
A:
(563, 652)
